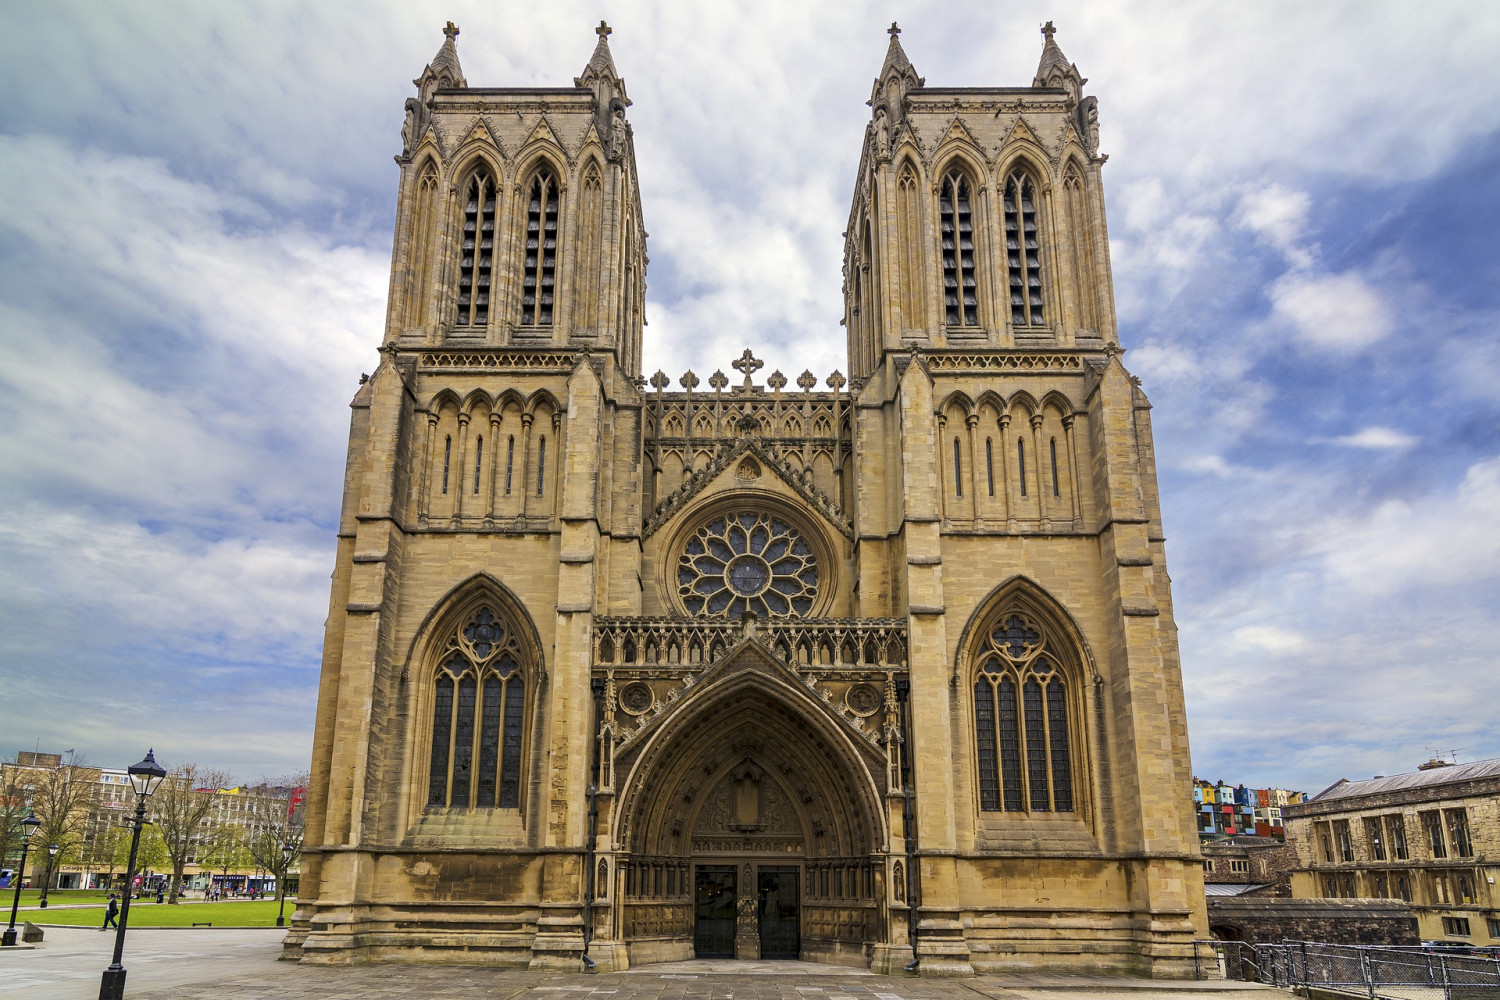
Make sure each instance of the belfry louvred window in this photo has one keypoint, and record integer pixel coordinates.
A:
(478, 717)
(539, 276)
(477, 251)
(1023, 252)
(960, 286)
(1023, 744)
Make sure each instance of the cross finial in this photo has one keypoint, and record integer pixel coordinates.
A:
(893, 30)
(1048, 31)
(604, 30)
(747, 363)
(451, 30)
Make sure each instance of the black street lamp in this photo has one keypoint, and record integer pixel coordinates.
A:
(52, 850)
(286, 862)
(144, 777)
(29, 826)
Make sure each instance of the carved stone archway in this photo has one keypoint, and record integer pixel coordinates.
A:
(751, 779)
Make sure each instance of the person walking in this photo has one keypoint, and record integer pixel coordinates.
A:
(111, 913)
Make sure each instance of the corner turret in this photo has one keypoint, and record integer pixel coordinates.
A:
(1054, 70)
(897, 76)
(443, 73)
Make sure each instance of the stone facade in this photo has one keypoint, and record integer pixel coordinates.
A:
(873, 670)
(1262, 864)
(1430, 838)
(1258, 920)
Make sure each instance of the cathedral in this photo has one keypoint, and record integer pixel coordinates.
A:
(877, 669)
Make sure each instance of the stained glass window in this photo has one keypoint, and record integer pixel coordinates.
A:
(478, 716)
(747, 562)
(1022, 740)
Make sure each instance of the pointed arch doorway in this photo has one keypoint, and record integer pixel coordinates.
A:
(749, 825)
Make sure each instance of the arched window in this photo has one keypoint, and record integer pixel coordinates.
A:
(1023, 252)
(989, 465)
(477, 254)
(447, 460)
(1021, 721)
(958, 469)
(478, 716)
(960, 286)
(510, 461)
(540, 272)
(479, 460)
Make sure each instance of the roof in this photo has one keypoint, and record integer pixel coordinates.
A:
(1231, 888)
(1452, 774)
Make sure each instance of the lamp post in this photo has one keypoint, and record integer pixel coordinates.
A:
(286, 862)
(52, 850)
(144, 777)
(29, 826)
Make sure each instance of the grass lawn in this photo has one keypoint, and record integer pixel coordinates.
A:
(250, 913)
(57, 897)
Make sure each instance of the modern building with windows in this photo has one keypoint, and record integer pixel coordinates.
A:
(1430, 838)
(865, 669)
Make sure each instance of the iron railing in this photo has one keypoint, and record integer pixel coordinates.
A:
(1378, 973)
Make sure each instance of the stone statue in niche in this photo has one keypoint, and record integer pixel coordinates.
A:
(745, 800)
(882, 135)
(1088, 110)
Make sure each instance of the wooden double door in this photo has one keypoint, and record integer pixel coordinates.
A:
(723, 909)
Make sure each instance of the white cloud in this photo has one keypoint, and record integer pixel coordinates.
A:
(1278, 216)
(1337, 312)
(1407, 546)
(1268, 638)
(1376, 438)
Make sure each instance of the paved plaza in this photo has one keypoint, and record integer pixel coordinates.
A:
(242, 964)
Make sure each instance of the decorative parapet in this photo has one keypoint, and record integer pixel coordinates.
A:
(724, 455)
(649, 663)
(1002, 361)
(499, 360)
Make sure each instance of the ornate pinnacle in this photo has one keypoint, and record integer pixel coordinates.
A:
(747, 363)
(718, 380)
(659, 381)
(836, 380)
(689, 381)
(1048, 31)
(604, 30)
(451, 30)
(776, 381)
(807, 381)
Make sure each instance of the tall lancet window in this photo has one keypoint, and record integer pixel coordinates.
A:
(960, 286)
(540, 275)
(1022, 738)
(1023, 252)
(477, 252)
(478, 716)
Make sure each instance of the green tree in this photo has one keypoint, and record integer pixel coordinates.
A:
(226, 849)
(180, 810)
(15, 801)
(61, 798)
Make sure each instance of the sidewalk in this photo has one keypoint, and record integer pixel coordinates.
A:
(241, 964)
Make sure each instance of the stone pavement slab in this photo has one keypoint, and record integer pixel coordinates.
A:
(241, 964)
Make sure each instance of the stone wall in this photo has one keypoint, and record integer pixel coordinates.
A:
(1336, 921)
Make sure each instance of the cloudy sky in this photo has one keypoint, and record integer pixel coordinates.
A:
(196, 205)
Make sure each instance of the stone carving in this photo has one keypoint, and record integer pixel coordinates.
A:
(862, 699)
(636, 698)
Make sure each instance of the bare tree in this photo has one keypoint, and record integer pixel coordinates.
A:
(225, 849)
(180, 809)
(61, 798)
(277, 825)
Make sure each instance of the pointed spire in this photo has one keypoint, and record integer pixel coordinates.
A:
(600, 74)
(1054, 70)
(897, 76)
(601, 63)
(444, 68)
(895, 55)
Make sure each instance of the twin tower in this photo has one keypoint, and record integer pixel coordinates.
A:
(877, 669)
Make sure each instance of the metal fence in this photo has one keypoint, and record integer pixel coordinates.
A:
(1374, 972)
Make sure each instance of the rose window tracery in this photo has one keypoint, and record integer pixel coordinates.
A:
(747, 562)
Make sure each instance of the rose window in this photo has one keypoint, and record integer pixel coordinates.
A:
(752, 563)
